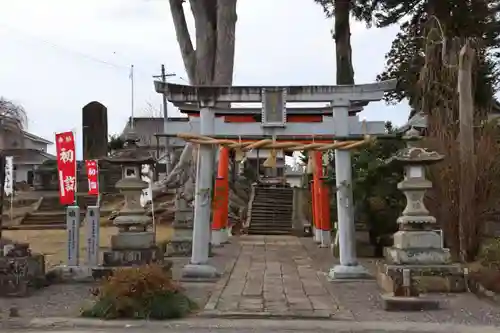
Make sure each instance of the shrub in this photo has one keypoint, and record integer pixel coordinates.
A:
(489, 256)
(146, 292)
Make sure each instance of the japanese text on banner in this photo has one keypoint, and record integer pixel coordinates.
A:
(9, 176)
(93, 176)
(66, 167)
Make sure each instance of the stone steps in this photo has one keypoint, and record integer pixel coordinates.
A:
(53, 226)
(267, 231)
(51, 204)
(47, 218)
(278, 209)
(271, 211)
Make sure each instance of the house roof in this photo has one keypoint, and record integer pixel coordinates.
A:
(23, 154)
(145, 128)
(36, 138)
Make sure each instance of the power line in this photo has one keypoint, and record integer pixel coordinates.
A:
(69, 50)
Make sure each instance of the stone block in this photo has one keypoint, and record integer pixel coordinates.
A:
(395, 303)
(132, 257)
(417, 239)
(133, 240)
(428, 279)
(417, 256)
(69, 274)
(362, 236)
(130, 219)
(101, 272)
(20, 275)
(365, 250)
(183, 233)
(178, 248)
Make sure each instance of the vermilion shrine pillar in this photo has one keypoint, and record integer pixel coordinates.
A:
(326, 238)
(315, 213)
(323, 204)
(221, 200)
(317, 202)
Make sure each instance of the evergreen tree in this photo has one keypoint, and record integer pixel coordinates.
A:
(455, 20)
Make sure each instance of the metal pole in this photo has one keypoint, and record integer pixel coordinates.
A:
(163, 78)
(165, 122)
(131, 76)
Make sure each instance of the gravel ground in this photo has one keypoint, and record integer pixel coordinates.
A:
(362, 299)
(66, 300)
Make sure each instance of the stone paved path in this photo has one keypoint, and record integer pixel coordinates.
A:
(273, 275)
(362, 298)
(286, 276)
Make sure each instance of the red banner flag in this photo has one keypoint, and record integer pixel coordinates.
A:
(93, 176)
(66, 167)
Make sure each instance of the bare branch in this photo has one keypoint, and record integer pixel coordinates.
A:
(13, 119)
(183, 38)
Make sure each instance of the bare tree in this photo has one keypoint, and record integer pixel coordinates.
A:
(210, 63)
(13, 119)
(12, 123)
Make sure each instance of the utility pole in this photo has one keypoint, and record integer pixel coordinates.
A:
(163, 76)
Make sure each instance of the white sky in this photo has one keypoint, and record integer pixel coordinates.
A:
(58, 55)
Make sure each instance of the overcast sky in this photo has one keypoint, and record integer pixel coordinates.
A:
(58, 55)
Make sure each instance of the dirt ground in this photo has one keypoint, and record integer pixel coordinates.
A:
(52, 243)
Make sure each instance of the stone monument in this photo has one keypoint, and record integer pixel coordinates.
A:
(21, 271)
(95, 131)
(134, 244)
(417, 247)
(181, 243)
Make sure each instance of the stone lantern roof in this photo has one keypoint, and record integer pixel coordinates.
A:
(417, 155)
(131, 153)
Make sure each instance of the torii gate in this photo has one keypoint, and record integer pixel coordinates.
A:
(339, 125)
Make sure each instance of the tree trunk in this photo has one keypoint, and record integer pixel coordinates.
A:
(343, 50)
(211, 63)
(466, 222)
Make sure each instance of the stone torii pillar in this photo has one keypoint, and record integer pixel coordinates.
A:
(198, 266)
(349, 267)
(336, 124)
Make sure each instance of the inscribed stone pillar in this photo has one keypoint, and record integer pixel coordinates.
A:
(95, 131)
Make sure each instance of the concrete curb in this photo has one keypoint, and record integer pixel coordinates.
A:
(194, 323)
(214, 314)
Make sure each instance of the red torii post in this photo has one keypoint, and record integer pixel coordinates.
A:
(322, 201)
(221, 200)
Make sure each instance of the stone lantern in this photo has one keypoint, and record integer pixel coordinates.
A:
(416, 242)
(134, 244)
(418, 249)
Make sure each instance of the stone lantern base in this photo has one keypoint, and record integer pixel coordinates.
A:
(427, 278)
(417, 248)
(132, 257)
(422, 253)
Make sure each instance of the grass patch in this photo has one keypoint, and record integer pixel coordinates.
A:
(52, 243)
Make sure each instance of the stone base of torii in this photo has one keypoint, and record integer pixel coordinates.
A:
(337, 125)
